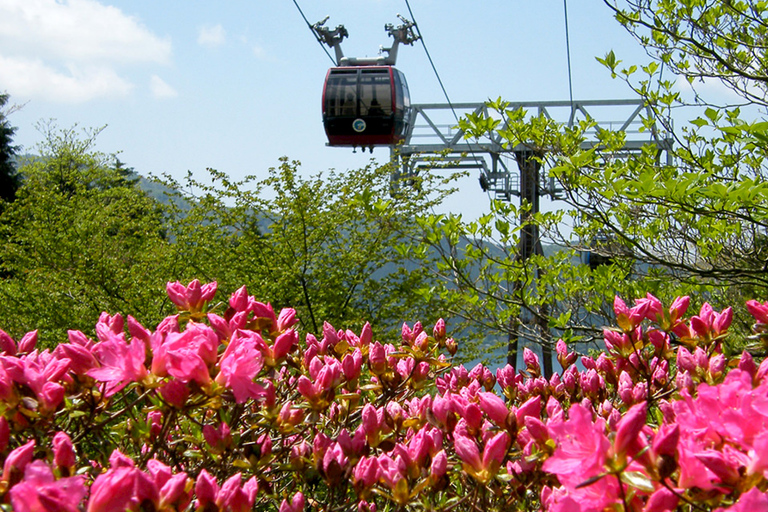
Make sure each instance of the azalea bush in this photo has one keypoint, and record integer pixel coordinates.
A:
(225, 407)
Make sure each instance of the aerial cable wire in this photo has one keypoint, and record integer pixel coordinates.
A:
(431, 63)
(439, 80)
(568, 52)
(309, 25)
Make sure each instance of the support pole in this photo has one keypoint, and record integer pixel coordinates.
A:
(530, 244)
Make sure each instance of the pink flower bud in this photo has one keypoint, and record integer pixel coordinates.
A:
(494, 452)
(286, 319)
(628, 430)
(531, 361)
(366, 335)
(352, 365)
(284, 344)
(468, 452)
(717, 365)
(175, 393)
(451, 346)
(219, 438)
(63, 451)
(17, 460)
(758, 311)
(364, 506)
(296, 504)
(747, 364)
(439, 331)
(683, 381)
(239, 300)
(377, 359)
(494, 407)
(666, 439)
(366, 472)
(28, 342)
(722, 321)
(685, 360)
(531, 407)
(662, 500)
(651, 306)
(7, 344)
(506, 376)
(206, 489)
(439, 466)
(537, 429)
(234, 497)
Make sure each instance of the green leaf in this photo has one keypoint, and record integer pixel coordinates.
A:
(637, 480)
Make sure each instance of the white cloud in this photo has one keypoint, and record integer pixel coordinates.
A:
(34, 79)
(160, 89)
(71, 50)
(711, 90)
(259, 52)
(211, 35)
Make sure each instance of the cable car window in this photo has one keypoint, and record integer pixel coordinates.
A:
(399, 90)
(375, 92)
(341, 93)
(406, 93)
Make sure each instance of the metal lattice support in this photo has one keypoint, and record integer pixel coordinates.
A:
(434, 140)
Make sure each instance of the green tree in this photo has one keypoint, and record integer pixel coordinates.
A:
(326, 244)
(694, 225)
(9, 178)
(78, 240)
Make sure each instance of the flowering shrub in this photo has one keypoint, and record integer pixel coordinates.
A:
(236, 412)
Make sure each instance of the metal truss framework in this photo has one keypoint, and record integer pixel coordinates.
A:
(434, 139)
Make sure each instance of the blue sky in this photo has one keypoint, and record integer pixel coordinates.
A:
(236, 85)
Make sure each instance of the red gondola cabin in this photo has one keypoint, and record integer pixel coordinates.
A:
(365, 106)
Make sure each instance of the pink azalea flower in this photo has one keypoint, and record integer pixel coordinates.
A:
(240, 364)
(39, 491)
(582, 447)
(192, 297)
(187, 356)
(651, 306)
(121, 363)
